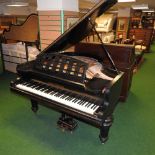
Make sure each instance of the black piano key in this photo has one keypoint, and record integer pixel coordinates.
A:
(83, 102)
(28, 84)
(57, 94)
(69, 97)
(61, 92)
(24, 83)
(47, 90)
(53, 92)
(33, 84)
(72, 96)
(87, 104)
(86, 99)
(65, 95)
(40, 87)
(94, 104)
(79, 102)
(66, 98)
(77, 98)
(93, 107)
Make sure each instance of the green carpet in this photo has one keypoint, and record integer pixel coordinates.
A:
(133, 131)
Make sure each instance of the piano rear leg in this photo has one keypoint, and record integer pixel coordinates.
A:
(105, 129)
(34, 105)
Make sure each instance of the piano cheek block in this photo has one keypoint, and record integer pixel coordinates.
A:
(97, 85)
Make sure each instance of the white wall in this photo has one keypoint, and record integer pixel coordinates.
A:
(49, 5)
(69, 5)
(6, 10)
(19, 10)
(124, 12)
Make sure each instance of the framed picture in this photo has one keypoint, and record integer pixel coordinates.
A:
(137, 13)
(122, 24)
(71, 21)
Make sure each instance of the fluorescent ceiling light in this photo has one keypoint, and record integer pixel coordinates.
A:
(93, 1)
(126, 0)
(18, 4)
(151, 10)
(113, 11)
(140, 7)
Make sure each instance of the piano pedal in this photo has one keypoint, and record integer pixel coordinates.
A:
(67, 124)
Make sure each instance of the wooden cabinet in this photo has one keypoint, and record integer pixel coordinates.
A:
(142, 34)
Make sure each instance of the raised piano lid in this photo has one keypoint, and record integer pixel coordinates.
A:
(80, 29)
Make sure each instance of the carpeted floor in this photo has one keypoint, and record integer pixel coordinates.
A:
(133, 132)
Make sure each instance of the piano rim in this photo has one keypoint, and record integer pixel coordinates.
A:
(79, 115)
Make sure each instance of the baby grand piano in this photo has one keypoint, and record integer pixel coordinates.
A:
(59, 80)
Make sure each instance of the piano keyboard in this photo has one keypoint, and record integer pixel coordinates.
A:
(72, 100)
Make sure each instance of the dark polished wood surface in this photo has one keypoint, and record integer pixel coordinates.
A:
(26, 32)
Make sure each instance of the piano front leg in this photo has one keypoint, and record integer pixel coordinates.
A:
(34, 105)
(106, 124)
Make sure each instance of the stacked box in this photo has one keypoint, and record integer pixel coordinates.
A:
(15, 53)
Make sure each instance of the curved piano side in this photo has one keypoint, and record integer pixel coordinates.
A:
(26, 32)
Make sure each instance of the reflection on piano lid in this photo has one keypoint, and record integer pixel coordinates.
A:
(59, 80)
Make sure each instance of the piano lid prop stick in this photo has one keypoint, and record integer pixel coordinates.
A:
(102, 44)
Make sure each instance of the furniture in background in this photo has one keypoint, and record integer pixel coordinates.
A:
(141, 27)
(142, 34)
(139, 51)
(20, 43)
(104, 26)
(140, 19)
(123, 56)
